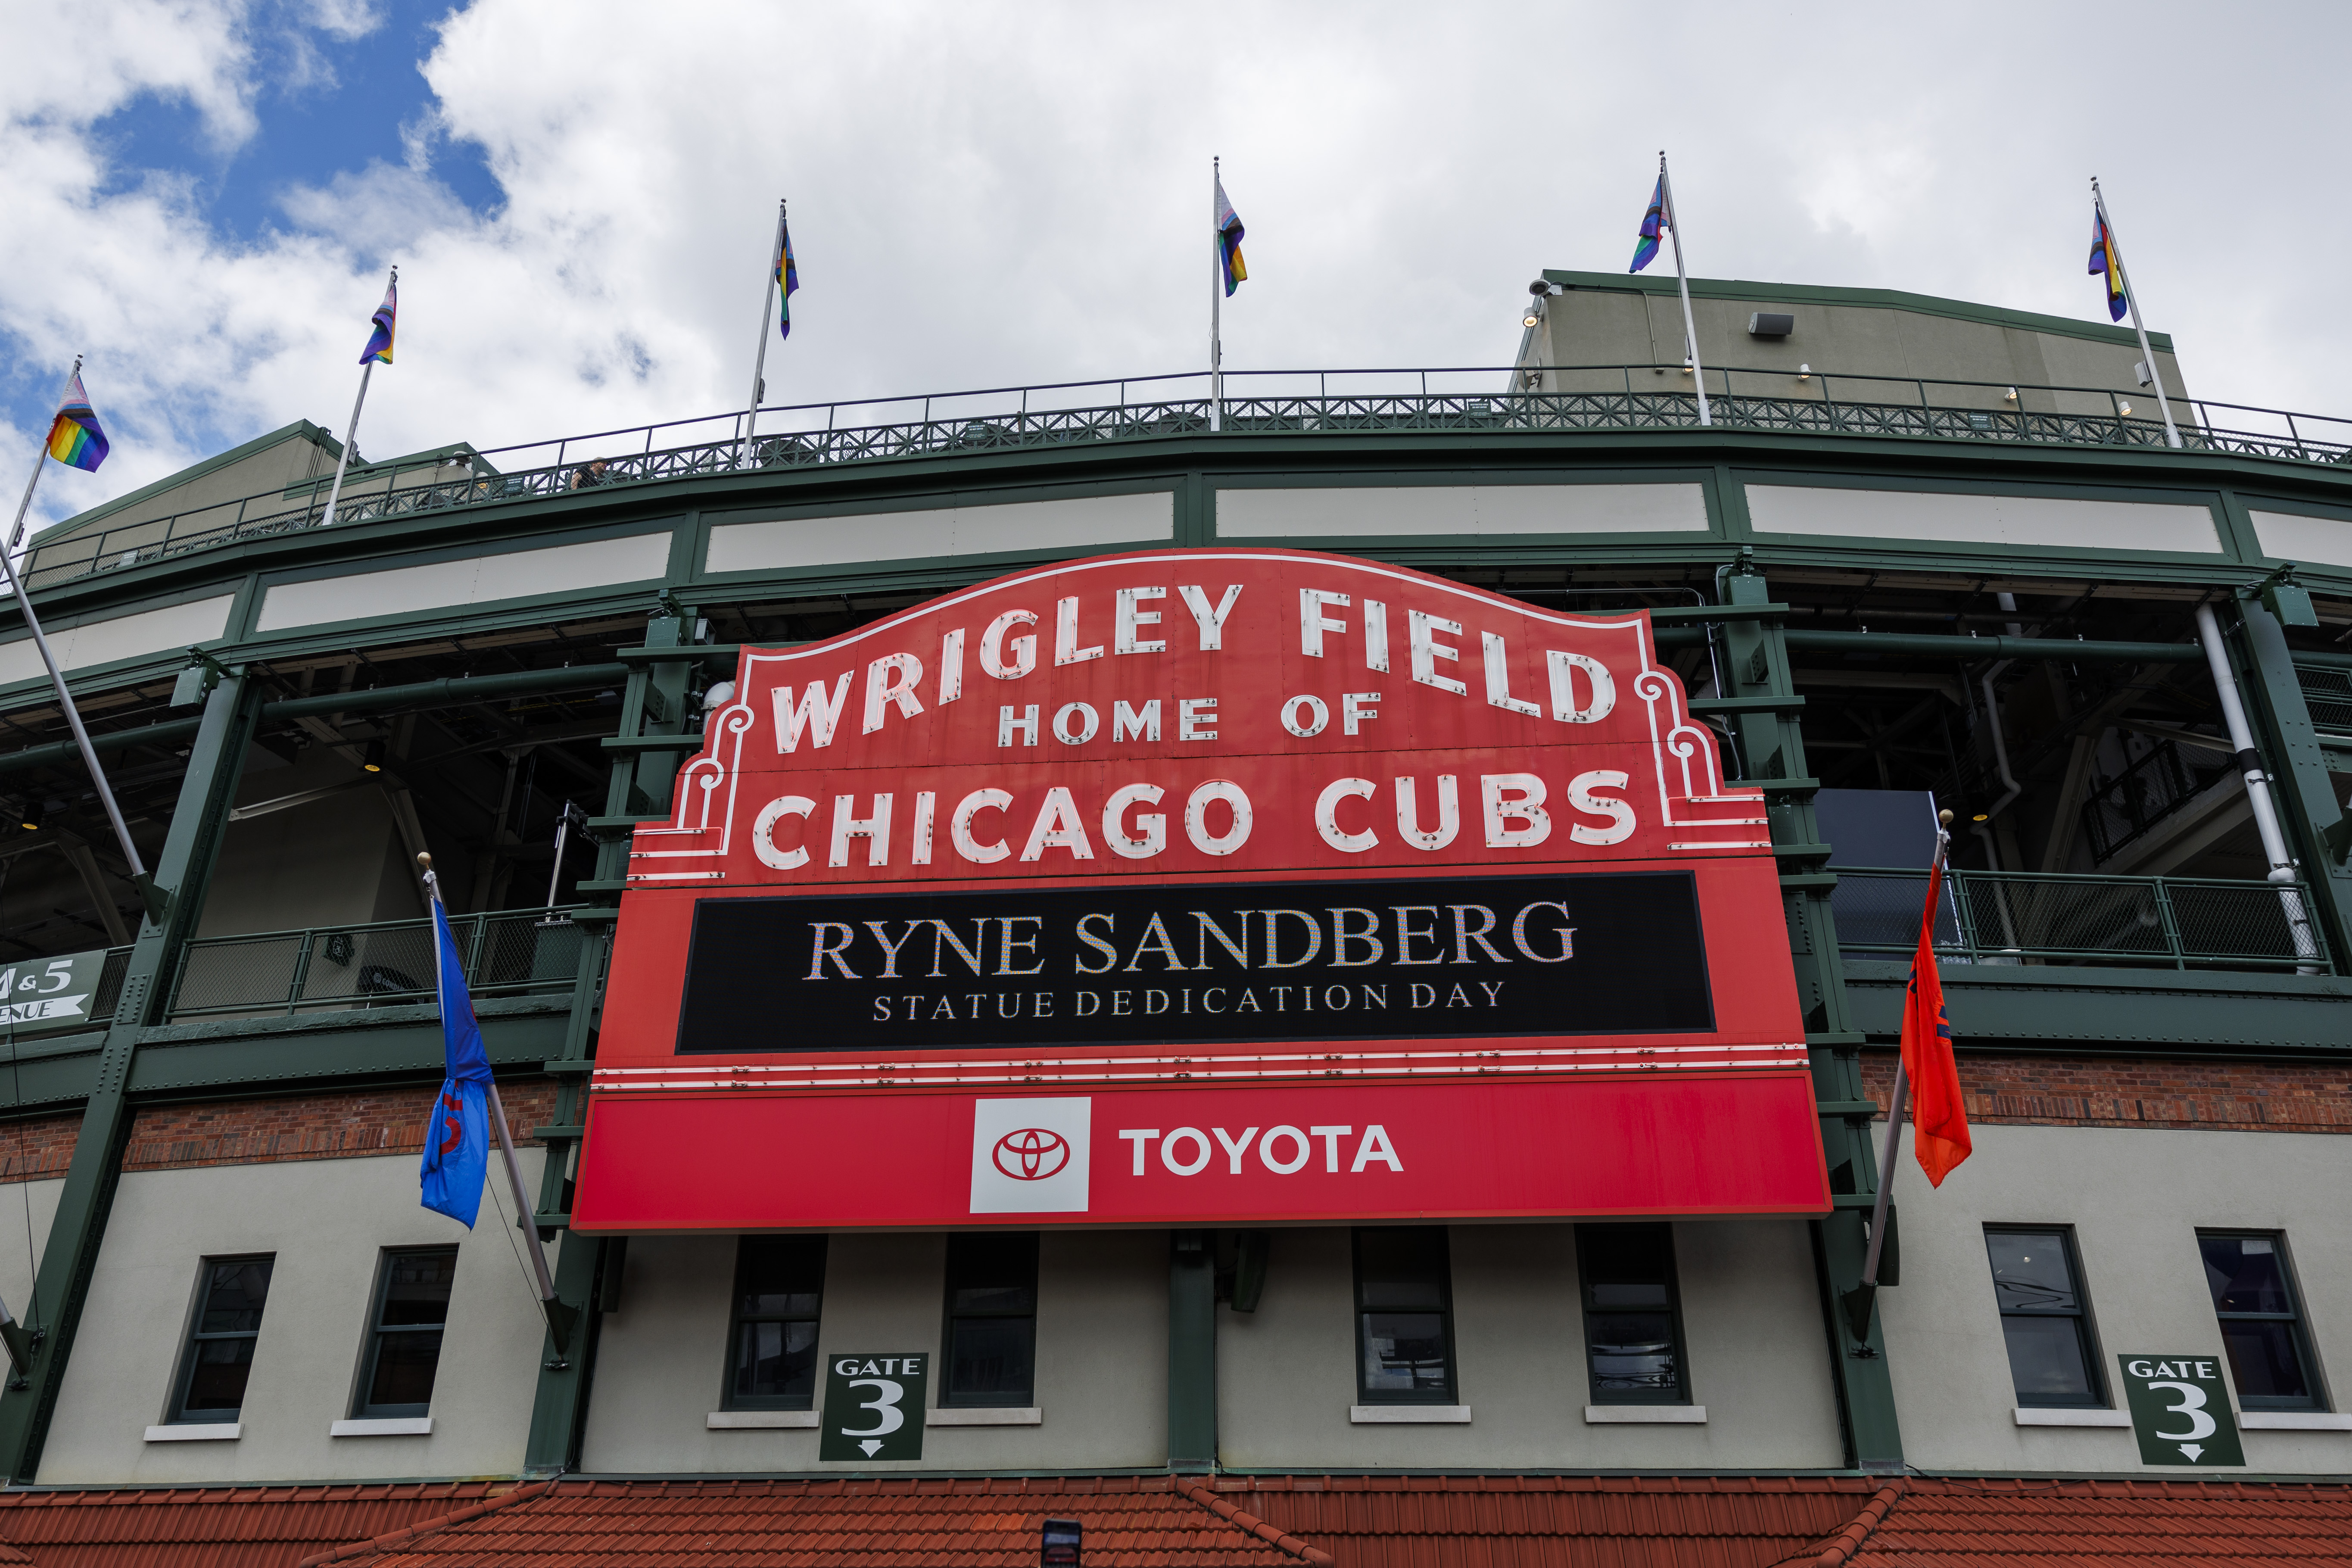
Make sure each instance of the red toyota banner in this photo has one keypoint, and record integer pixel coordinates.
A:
(1250, 855)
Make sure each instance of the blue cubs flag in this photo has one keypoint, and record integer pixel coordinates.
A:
(458, 1139)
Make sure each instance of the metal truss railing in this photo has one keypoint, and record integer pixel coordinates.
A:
(1540, 399)
(388, 964)
(2014, 917)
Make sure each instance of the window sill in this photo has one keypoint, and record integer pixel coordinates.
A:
(197, 1432)
(986, 1416)
(383, 1426)
(2037, 1415)
(761, 1420)
(1641, 1415)
(2294, 1421)
(1409, 1415)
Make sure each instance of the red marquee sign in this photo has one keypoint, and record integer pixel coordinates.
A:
(1206, 886)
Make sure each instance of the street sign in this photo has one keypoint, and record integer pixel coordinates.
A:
(47, 996)
(874, 1406)
(2180, 1411)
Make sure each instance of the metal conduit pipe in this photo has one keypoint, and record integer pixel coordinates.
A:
(2258, 789)
(1982, 827)
(447, 693)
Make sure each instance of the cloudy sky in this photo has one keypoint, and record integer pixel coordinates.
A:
(203, 195)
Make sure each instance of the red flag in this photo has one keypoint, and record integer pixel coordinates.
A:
(1939, 1120)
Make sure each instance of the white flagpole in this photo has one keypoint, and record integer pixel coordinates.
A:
(558, 1315)
(2131, 298)
(1682, 278)
(40, 461)
(1216, 304)
(73, 715)
(351, 432)
(760, 360)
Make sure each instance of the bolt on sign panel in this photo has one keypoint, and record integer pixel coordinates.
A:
(1201, 885)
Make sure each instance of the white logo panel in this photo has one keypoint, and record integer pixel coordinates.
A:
(1030, 1156)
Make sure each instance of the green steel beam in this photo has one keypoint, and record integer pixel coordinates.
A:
(1910, 645)
(1192, 1352)
(2308, 807)
(452, 693)
(653, 699)
(449, 693)
(191, 846)
(1772, 746)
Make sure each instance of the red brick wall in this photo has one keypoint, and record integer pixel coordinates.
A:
(2141, 1091)
(38, 1148)
(335, 1126)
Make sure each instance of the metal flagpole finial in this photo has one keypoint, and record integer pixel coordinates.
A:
(425, 860)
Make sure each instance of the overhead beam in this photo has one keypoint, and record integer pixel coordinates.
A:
(454, 692)
(1917, 644)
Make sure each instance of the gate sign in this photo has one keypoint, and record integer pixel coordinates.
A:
(2180, 1410)
(1202, 886)
(874, 1406)
(51, 996)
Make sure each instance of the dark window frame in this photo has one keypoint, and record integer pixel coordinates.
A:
(2298, 1324)
(377, 1330)
(1022, 1399)
(1680, 1394)
(1451, 1393)
(2085, 1321)
(197, 1335)
(728, 1399)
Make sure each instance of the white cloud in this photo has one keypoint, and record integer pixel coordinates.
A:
(997, 193)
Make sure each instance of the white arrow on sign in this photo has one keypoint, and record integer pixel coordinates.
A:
(2192, 1450)
(872, 1444)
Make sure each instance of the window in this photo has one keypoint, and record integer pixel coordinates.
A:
(411, 1307)
(2262, 1325)
(1404, 1316)
(210, 1385)
(1632, 1314)
(991, 1352)
(779, 1284)
(2052, 1360)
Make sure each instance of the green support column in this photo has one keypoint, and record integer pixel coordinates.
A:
(2305, 796)
(1772, 748)
(653, 703)
(78, 1229)
(1191, 1353)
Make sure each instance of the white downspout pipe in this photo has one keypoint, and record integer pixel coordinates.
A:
(2258, 789)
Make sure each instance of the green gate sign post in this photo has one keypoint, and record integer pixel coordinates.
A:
(874, 1406)
(2180, 1411)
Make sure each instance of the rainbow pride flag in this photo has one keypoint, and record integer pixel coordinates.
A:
(379, 346)
(75, 438)
(788, 277)
(1229, 242)
(2104, 259)
(1645, 248)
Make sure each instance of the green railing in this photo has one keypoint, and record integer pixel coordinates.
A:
(2174, 922)
(1548, 398)
(514, 953)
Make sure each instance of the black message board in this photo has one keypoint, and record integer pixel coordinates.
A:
(1575, 953)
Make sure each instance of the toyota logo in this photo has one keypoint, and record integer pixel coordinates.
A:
(1031, 1154)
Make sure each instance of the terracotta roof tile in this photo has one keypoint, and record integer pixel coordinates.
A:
(1157, 1521)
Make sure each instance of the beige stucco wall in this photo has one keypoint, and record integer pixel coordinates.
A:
(327, 1221)
(2136, 1199)
(1286, 1373)
(1102, 1355)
